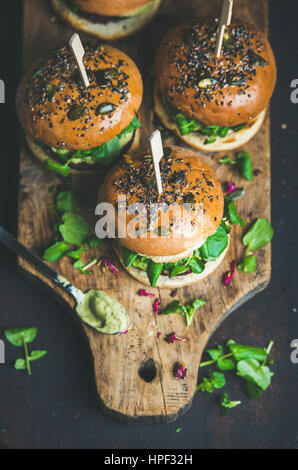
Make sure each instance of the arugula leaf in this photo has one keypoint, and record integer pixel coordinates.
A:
(56, 252)
(154, 270)
(248, 265)
(186, 126)
(65, 201)
(230, 212)
(17, 336)
(252, 371)
(244, 160)
(107, 153)
(226, 403)
(216, 381)
(75, 229)
(215, 245)
(258, 235)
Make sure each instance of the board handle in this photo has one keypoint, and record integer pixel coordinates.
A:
(12, 243)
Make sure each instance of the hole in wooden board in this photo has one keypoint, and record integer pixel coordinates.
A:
(147, 370)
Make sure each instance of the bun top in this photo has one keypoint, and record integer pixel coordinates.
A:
(55, 108)
(225, 91)
(111, 7)
(188, 183)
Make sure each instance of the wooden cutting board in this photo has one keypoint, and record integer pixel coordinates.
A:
(120, 362)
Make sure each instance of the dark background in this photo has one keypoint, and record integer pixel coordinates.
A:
(57, 407)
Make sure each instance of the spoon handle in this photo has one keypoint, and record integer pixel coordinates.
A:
(8, 240)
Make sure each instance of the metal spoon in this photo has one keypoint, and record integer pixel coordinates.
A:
(108, 305)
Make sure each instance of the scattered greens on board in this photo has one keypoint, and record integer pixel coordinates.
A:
(21, 337)
(260, 233)
(73, 231)
(243, 161)
(249, 362)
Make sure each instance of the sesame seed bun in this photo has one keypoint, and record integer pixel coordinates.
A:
(195, 139)
(185, 178)
(55, 108)
(176, 281)
(239, 83)
(114, 28)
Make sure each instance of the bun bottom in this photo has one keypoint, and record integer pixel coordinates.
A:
(196, 140)
(177, 281)
(41, 154)
(109, 31)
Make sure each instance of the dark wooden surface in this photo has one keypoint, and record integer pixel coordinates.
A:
(117, 360)
(57, 406)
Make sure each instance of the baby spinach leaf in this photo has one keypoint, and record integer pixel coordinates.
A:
(154, 270)
(214, 245)
(252, 371)
(196, 265)
(248, 265)
(178, 270)
(258, 235)
(75, 229)
(244, 160)
(230, 212)
(241, 352)
(173, 307)
(56, 252)
(128, 256)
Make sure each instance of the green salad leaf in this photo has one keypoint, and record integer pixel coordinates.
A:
(75, 229)
(56, 252)
(215, 381)
(227, 404)
(215, 245)
(244, 160)
(258, 235)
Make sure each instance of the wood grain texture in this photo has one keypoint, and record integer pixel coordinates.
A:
(117, 359)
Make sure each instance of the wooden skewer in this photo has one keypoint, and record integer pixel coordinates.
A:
(225, 20)
(78, 51)
(157, 154)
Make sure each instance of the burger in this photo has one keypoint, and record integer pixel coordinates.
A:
(107, 19)
(71, 128)
(214, 104)
(193, 241)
